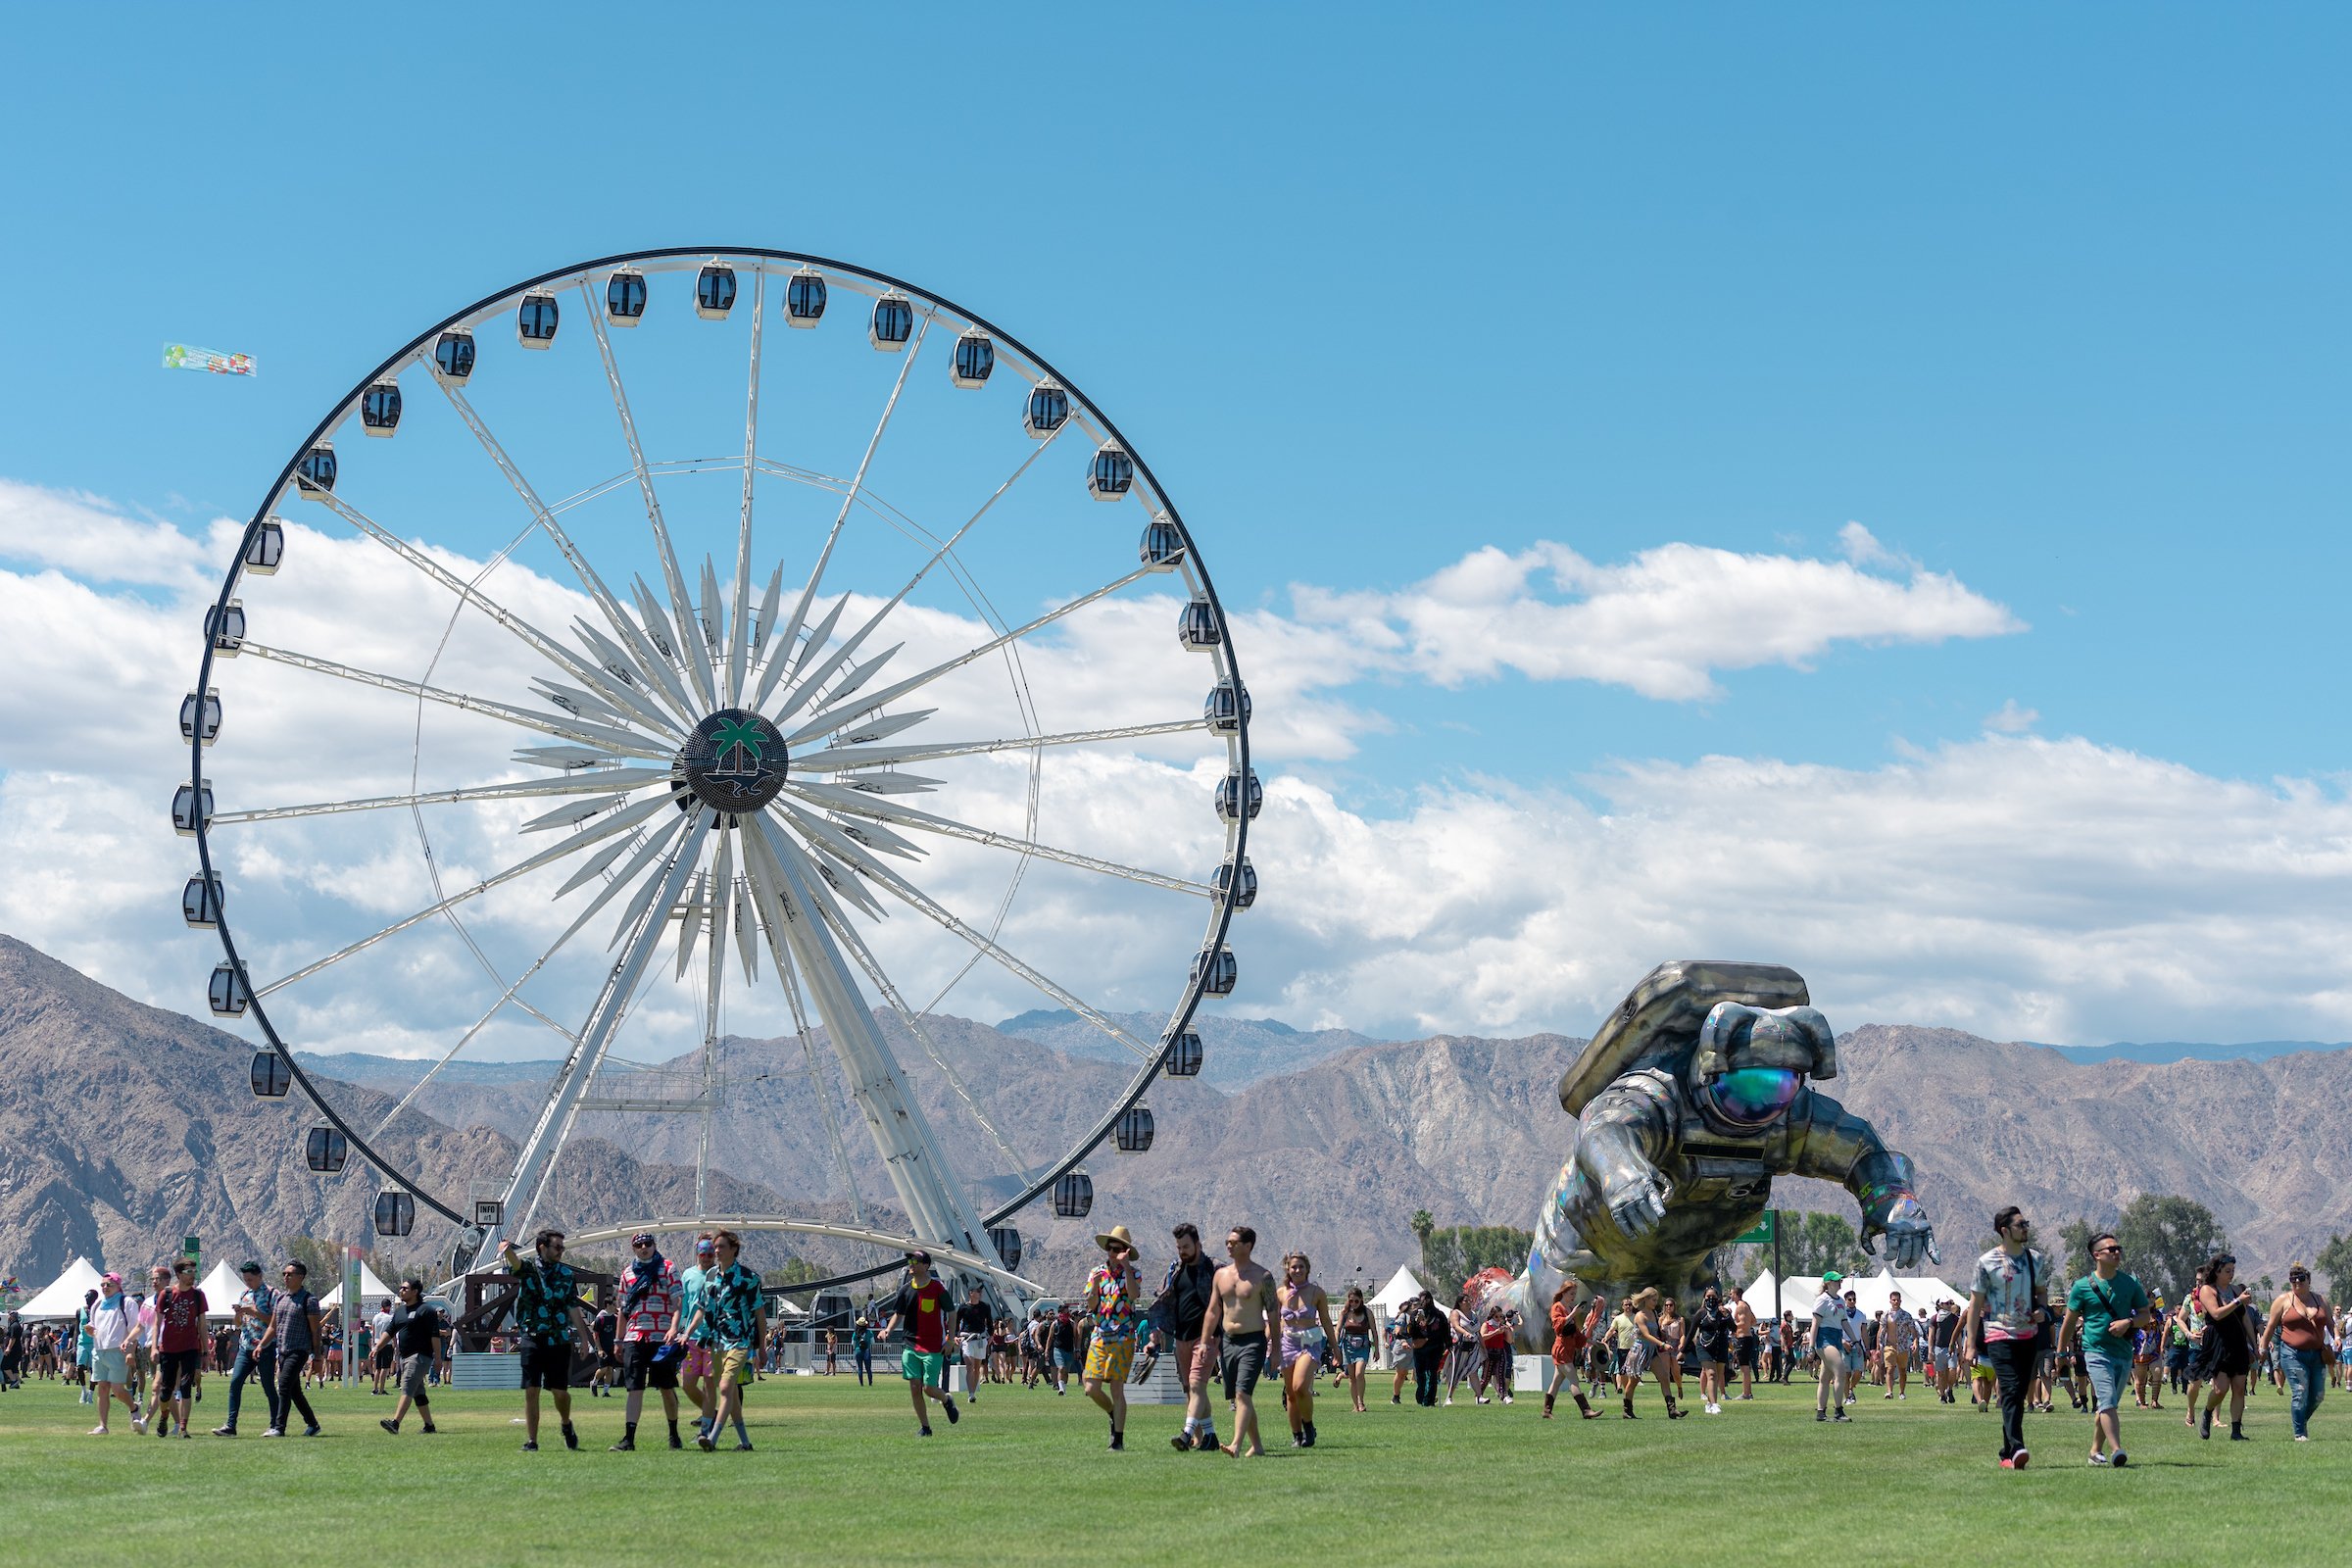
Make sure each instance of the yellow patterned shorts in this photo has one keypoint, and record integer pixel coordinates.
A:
(1107, 1360)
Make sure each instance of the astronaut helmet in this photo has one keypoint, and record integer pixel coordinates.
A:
(1751, 1062)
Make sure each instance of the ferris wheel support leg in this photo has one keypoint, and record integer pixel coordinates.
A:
(538, 1153)
(936, 1206)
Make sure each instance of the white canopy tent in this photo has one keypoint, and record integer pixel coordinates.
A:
(221, 1287)
(373, 1291)
(1400, 1289)
(1871, 1291)
(61, 1297)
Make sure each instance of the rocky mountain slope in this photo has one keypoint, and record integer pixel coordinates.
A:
(123, 1126)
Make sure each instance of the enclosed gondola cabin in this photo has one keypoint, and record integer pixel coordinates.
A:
(1238, 794)
(1162, 543)
(199, 900)
(1181, 1058)
(271, 1077)
(1111, 474)
(395, 1213)
(893, 324)
(535, 320)
(453, 357)
(1243, 887)
(224, 625)
(191, 809)
(325, 1149)
(1073, 1195)
(267, 547)
(1008, 1243)
(975, 358)
(1196, 627)
(1228, 707)
(1047, 409)
(379, 409)
(1216, 973)
(714, 291)
(804, 298)
(200, 716)
(1133, 1130)
(625, 297)
(226, 993)
(315, 474)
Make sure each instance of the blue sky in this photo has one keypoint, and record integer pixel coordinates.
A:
(2046, 298)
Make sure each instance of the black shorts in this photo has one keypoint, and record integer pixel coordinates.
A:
(175, 1373)
(1242, 1362)
(384, 1355)
(639, 1368)
(546, 1366)
(1746, 1352)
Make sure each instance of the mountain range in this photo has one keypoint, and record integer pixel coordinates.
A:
(123, 1127)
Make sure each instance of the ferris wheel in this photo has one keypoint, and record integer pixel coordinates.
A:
(685, 655)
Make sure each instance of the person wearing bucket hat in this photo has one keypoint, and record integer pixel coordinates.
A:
(1828, 1344)
(1112, 1300)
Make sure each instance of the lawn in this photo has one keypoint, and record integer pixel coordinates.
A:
(840, 1477)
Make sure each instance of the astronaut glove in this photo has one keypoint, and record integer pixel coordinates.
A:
(1637, 1202)
(1908, 1235)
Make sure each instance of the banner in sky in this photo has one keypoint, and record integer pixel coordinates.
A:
(188, 357)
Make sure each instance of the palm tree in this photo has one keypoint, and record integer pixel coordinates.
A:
(1424, 1226)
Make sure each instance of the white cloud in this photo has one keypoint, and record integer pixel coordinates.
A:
(2011, 720)
(1661, 625)
(88, 536)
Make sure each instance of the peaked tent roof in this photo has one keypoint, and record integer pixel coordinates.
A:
(372, 1289)
(1400, 1289)
(221, 1287)
(61, 1297)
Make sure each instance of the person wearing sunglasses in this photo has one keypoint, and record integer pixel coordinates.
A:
(2007, 1315)
(293, 1332)
(180, 1310)
(2299, 1324)
(546, 1297)
(2107, 1307)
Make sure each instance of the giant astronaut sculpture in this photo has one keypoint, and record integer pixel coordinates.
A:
(1688, 1100)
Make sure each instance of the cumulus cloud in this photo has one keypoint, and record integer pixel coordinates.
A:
(2011, 720)
(1660, 624)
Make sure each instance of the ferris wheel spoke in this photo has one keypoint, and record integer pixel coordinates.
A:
(663, 637)
(537, 1156)
(618, 822)
(507, 997)
(841, 757)
(783, 847)
(855, 803)
(739, 623)
(531, 636)
(915, 898)
(816, 573)
(857, 638)
(588, 782)
(787, 659)
(839, 713)
(668, 551)
(628, 629)
(606, 737)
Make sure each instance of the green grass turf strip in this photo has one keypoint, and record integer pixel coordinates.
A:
(841, 1478)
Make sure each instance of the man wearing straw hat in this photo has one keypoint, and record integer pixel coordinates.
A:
(1113, 1300)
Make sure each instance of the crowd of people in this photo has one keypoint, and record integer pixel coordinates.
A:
(2023, 1338)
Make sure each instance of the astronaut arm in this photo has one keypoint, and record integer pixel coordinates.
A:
(1834, 1145)
(1621, 1137)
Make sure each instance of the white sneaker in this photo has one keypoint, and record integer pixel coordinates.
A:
(138, 1424)
(1506, 1398)
(1449, 1401)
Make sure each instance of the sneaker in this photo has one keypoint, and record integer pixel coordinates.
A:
(1310, 1436)
(1506, 1398)
(1821, 1415)
(97, 1432)
(1841, 1416)
(2119, 1459)
(310, 1431)
(530, 1447)
(392, 1426)
(1449, 1401)
(743, 1448)
(705, 1443)
(1396, 1399)
(2100, 1461)
(185, 1433)
(2017, 1460)
(702, 1441)
(1482, 1399)
(571, 1438)
(1209, 1444)
(954, 1415)
(430, 1430)
(273, 1431)
(2008, 1464)
(138, 1424)
(624, 1445)
(225, 1432)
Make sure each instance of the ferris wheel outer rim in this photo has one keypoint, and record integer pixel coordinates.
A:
(392, 1174)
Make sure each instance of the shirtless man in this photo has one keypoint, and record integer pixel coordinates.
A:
(1239, 1309)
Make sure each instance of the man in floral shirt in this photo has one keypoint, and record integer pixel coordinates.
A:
(547, 1295)
(1114, 1300)
(648, 1352)
(733, 1316)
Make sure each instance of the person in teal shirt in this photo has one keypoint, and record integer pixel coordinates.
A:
(2106, 1307)
(694, 1378)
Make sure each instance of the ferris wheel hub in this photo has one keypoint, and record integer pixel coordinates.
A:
(734, 760)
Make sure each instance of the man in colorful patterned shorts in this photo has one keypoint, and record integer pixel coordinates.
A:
(1114, 1300)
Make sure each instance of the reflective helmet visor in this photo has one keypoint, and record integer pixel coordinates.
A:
(1753, 1096)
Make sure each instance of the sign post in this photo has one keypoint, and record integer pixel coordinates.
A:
(351, 1317)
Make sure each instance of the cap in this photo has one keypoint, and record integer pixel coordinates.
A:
(642, 1239)
(1832, 1277)
(918, 1255)
(112, 1277)
(705, 1247)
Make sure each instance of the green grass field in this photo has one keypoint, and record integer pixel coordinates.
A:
(840, 1477)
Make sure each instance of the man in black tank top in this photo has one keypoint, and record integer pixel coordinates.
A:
(1176, 1317)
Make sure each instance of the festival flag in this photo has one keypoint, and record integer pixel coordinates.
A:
(188, 357)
